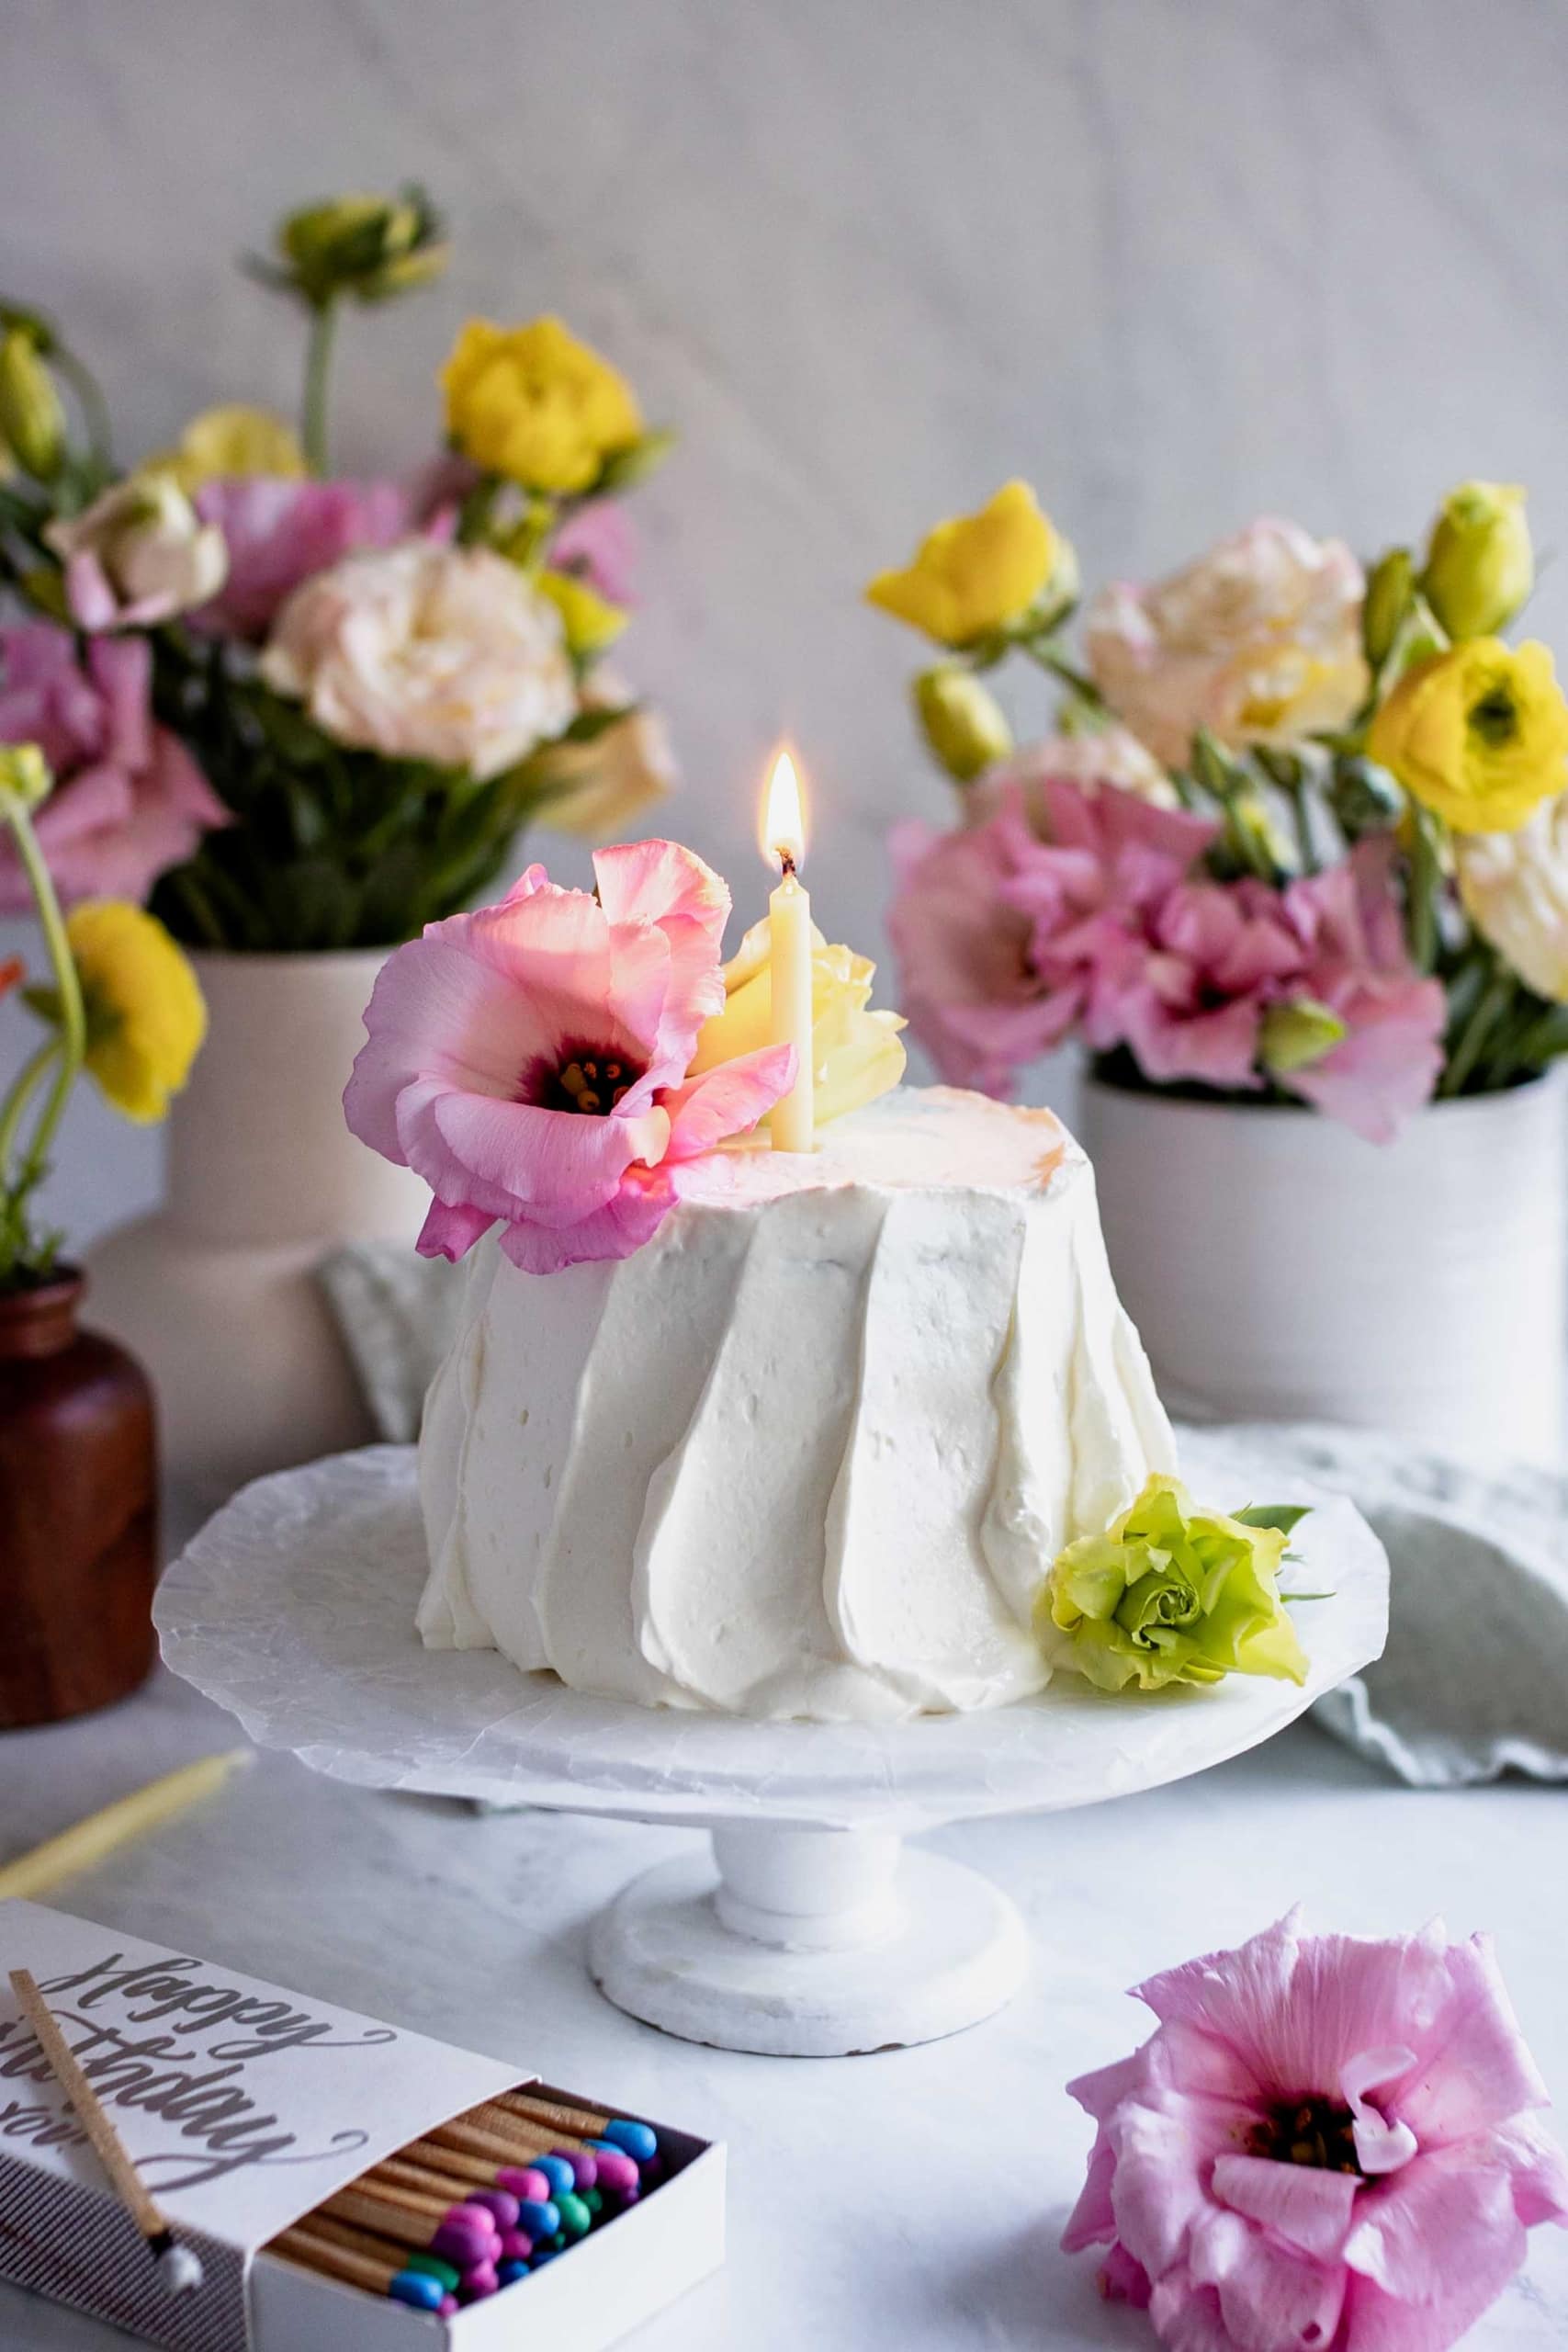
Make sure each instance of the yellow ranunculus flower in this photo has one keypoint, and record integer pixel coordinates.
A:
(229, 440)
(146, 1018)
(856, 1054)
(590, 621)
(976, 573)
(1479, 564)
(1478, 734)
(534, 403)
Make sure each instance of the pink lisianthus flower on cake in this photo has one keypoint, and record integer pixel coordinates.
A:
(1328, 2144)
(128, 800)
(530, 1061)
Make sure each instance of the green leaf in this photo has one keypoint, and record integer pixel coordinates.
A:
(1282, 1517)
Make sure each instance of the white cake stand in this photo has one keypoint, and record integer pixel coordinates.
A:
(810, 1931)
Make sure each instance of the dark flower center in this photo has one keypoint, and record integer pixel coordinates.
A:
(593, 1080)
(1313, 2132)
(1495, 717)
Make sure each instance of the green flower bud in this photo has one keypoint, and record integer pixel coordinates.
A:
(961, 719)
(32, 417)
(1294, 1036)
(25, 778)
(1479, 564)
(1390, 585)
(369, 246)
(627, 468)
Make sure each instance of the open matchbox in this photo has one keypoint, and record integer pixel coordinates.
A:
(244, 2107)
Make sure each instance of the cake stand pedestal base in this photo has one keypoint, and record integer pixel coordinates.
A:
(810, 1943)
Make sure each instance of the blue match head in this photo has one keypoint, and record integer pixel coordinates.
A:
(637, 2139)
(415, 2288)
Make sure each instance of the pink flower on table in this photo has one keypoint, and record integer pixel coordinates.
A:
(1328, 2144)
(529, 1061)
(280, 532)
(1355, 962)
(128, 799)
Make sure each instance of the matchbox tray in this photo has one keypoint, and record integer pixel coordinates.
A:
(244, 2106)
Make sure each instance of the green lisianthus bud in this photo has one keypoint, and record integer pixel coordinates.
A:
(1390, 586)
(1294, 1036)
(962, 720)
(369, 246)
(1479, 564)
(32, 417)
(26, 780)
(1172, 1594)
(627, 468)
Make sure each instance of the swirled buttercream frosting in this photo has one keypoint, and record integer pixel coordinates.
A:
(812, 1450)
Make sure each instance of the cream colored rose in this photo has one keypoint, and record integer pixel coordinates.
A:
(1114, 755)
(1259, 641)
(1515, 887)
(426, 652)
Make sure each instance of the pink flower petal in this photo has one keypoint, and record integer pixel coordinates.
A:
(542, 1158)
(1311, 2207)
(1187, 2316)
(1122, 2280)
(1443, 2226)
(617, 1229)
(661, 883)
(728, 1099)
(451, 1233)
(1271, 2298)
(1163, 2155)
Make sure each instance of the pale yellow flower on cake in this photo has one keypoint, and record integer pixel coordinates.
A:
(535, 404)
(590, 621)
(146, 1018)
(976, 573)
(1478, 734)
(857, 1054)
(230, 440)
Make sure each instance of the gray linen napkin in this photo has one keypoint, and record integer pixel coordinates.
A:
(1475, 1679)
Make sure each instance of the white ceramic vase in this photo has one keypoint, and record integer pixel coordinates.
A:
(216, 1293)
(1280, 1269)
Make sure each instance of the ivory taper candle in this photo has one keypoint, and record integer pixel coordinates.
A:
(790, 1122)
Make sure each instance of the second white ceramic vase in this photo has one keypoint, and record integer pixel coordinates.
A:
(1280, 1269)
(216, 1293)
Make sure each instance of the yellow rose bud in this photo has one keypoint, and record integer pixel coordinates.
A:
(977, 573)
(1480, 565)
(590, 621)
(32, 417)
(535, 404)
(221, 443)
(857, 1054)
(146, 1018)
(962, 720)
(1478, 734)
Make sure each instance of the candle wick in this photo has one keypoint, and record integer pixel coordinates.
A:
(787, 863)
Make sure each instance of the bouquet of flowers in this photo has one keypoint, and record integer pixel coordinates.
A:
(302, 711)
(1301, 832)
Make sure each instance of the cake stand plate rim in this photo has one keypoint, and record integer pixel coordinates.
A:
(247, 1614)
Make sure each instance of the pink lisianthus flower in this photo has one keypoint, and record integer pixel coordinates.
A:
(972, 995)
(1356, 963)
(128, 800)
(529, 1061)
(1190, 997)
(280, 531)
(1328, 2144)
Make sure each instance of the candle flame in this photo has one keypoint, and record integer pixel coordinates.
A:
(783, 830)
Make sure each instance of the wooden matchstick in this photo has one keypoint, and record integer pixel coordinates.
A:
(179, 2268)
(556, 2113)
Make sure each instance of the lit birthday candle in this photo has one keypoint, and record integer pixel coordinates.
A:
(790, 1123)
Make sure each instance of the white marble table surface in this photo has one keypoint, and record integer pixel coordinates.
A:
(914, 2198)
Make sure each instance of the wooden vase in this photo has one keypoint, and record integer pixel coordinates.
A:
(78, 1512)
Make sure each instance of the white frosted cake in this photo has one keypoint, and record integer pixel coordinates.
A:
(811, 1451)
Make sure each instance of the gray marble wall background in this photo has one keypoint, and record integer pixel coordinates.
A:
(1179, 261)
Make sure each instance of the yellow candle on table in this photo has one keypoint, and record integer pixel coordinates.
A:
(790, 1122)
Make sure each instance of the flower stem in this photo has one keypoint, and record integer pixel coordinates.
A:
(1426, 882)
(317, 364)
(73, 1045)
(1057, 666)
(16, 1102)
(1492, 1002)
(95, 408)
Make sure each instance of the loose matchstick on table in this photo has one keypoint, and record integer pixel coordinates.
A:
(176, 2266)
